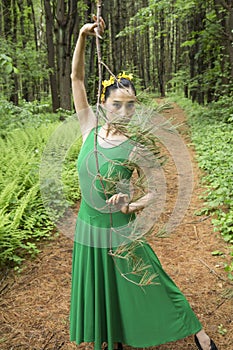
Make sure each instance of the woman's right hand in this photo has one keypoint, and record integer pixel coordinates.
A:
(93, 28)
(120, 201)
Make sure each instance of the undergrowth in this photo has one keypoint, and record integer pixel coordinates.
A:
(212, 136)
(24, 220)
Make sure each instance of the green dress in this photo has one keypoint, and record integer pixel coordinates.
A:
(105, 306)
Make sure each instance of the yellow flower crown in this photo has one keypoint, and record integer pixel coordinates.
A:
(112, 80)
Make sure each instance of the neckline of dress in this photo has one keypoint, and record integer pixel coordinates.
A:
(109, 141)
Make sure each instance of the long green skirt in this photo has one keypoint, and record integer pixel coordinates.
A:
(106, 307)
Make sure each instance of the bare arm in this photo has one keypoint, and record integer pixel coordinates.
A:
(83, 110)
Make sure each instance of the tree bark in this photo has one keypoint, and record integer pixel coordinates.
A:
(51, 55)
(24, 39)
(66, 13)
(224, 12)
(7, 18)
(33, 19)
(161, 68)
(15, 93)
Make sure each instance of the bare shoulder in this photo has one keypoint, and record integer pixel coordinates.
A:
(87, 121)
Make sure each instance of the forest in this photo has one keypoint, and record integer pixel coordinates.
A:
(180, 53)
(181, 50)
(168, 45)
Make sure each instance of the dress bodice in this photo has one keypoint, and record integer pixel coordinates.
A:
(103, 172)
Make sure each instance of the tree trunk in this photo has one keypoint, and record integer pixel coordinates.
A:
(51, 55)
(66, 13)
(193, 26)
(9, 32)
(33, 19)
(1, 21)
(15, 91)
(25, 81)
(161, 70)
(224, 12)
(201, 65)
(170, 64)
(156, 55)
(7, 18)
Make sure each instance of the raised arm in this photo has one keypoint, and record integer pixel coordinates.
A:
(84, 112)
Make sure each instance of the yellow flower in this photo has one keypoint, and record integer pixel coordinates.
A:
(111, 81)
(126, 76)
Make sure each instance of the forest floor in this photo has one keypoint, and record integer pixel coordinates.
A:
(35, 302)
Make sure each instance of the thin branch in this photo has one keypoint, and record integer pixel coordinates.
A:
(98, 47)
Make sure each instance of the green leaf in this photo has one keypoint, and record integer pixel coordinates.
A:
(217, 253)
(189, 43)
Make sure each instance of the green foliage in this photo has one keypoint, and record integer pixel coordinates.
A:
(146, 17)
(69, 174)
(229, 268)
(222, 330)
(212, 135)
(32, 63)
(26, 114)
(24, 220)
(27, 63)
(179, 80)
(209, 50)
(6, 65)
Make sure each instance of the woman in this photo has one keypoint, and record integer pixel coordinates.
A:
(106, 306)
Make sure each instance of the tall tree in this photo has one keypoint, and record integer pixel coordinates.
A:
(65, 17)
(224, 12)
(161, 67)
(51, 55)
(9, 33)
(32, 18)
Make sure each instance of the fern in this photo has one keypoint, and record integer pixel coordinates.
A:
(23, 204)
(23, 218)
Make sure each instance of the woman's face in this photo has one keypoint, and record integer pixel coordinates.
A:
(120, 105)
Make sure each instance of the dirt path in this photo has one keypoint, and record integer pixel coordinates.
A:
(35, 303)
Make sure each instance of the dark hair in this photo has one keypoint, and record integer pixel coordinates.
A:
(123, 83)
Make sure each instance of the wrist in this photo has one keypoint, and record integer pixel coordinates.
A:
(125, 209)
(82, 33)
(133, 207)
